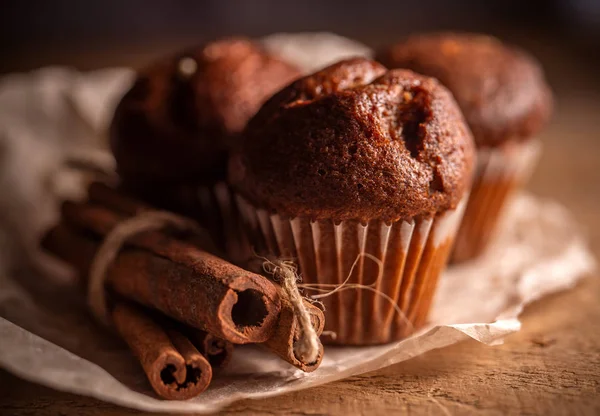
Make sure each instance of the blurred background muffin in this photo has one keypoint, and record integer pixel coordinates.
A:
(181, 115)
(173, 129)
(504, 97)
(359, 173)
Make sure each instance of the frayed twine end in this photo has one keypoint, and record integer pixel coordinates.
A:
(306, 348)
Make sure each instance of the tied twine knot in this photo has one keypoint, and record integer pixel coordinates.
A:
(306, 348)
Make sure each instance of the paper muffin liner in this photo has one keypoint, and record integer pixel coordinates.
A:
(391, 303)
(499, 173)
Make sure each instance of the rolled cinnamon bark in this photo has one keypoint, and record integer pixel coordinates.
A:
(175, 368)
(287, 334)
(184, 282)
(78, 250)
(216, 350)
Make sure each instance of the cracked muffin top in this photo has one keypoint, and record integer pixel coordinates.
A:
(183, 113)
(500, 89)
(355, 141)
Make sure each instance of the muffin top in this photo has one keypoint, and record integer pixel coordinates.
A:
(183, 113)
(355, 141)
(500, 89)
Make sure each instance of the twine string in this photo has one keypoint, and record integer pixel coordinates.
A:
(306, 348)
(329, 289)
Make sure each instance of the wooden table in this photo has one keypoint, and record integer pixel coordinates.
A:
(552, 366)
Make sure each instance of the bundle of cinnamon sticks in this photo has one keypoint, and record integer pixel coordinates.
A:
(178, 305)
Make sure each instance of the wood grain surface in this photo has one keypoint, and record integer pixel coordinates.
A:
(551, 367)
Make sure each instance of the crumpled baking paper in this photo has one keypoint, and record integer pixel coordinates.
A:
(313, 51)
(47, 336)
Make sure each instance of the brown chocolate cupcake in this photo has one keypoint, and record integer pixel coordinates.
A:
(503, 95)
(172, 130)
(177, 121)
(353, 163)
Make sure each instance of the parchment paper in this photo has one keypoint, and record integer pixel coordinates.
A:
(47, 336)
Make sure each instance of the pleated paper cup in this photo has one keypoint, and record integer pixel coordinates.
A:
(499, 173)
(392, 302)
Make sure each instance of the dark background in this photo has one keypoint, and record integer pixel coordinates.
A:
(95, 33)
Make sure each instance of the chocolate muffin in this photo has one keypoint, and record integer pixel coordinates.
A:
(172, 131)
(358, 172)
(503, 95)
(176, 123)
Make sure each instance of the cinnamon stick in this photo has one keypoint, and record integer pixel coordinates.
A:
(175, 368)
(79, 250)
(180, 280)
(287, 334)
(216, 350)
